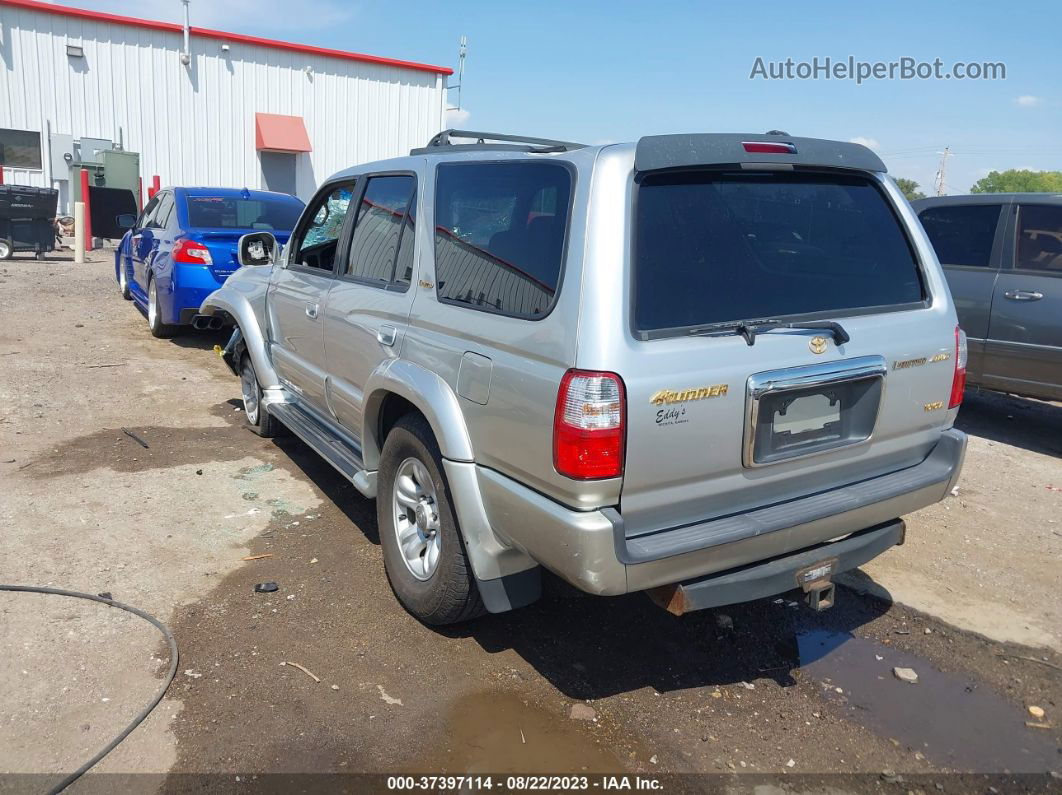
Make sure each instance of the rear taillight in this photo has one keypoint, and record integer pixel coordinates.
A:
(588, 427)
(768, 148)
(192, 253)
(958, 381)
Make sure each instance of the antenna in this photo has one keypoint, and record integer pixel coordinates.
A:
(941, 170)
(462, 49)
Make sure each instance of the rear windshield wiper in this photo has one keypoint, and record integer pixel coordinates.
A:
(750, 328)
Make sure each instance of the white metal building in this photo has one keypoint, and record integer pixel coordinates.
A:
(238, 111)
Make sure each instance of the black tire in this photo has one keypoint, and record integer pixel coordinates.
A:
(123, 279)
(6, 248)
(450, 594)
(155, 325)
(255, 417)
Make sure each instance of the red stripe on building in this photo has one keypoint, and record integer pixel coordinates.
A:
(172, 27)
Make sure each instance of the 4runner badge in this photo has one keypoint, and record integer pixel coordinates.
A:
(664, 396)
(817, 344)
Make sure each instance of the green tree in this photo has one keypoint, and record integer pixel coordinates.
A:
(909, 188)
(1019, 181)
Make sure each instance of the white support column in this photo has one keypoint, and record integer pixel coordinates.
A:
(79, 232)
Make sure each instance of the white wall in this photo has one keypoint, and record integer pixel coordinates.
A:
(195, 125)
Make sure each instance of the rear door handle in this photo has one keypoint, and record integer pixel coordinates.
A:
(311, 311)
(1023, 295)
(386, 335)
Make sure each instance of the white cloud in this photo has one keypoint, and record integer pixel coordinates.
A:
(870, 143)
(456, 117)
(1027, 101)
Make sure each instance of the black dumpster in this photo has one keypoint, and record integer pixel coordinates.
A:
(27, 217)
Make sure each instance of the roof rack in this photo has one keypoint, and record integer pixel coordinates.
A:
(520, 143)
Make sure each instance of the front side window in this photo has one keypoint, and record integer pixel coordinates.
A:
(720, 247)
(1039, 246)
(383, 231)
(962, 235)
(20, 149)
(318, 239)
(499, 235)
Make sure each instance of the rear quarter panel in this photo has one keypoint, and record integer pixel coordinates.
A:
(512, 432)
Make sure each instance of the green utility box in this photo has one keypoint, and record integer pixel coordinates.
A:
(116, 169)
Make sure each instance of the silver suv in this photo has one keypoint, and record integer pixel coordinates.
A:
(711, 367)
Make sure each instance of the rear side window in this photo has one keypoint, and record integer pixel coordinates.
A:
(1039, 238)
(499, 235)
(148, 212)
(714, 247)
(962, 235)
(383, 232)
(217, 212)
(161, 217)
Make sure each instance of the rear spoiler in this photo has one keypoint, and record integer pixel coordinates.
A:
(662, 152)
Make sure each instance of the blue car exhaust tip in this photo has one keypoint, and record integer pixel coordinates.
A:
(208, 323)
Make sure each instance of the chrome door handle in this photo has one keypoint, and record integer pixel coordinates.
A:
(386, 335)
(311, 311)
(1023, 295)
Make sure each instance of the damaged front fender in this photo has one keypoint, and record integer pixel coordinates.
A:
(243, 300)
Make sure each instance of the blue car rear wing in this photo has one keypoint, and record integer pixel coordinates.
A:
(663, 152)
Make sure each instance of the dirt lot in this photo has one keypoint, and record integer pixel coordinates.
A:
(768, 687)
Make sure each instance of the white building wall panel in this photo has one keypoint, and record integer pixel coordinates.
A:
(194, 125)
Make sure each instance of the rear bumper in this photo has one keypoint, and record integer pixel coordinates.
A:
(781, 574)
(590, 549)
(191, 285)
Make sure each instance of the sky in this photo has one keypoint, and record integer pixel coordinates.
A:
(615, 71)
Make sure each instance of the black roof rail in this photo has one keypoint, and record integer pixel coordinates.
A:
(520, 143)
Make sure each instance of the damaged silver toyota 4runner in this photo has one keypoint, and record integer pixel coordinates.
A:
(710, 367)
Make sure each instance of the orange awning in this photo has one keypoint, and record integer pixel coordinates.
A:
(276, 133)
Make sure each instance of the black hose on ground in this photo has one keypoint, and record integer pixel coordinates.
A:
(70, 779)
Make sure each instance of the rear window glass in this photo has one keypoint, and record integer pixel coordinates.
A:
(216, 212)
(721, 247)
(499, 235)
(962, 235)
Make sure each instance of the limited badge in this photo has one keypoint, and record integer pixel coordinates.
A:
(818, 344)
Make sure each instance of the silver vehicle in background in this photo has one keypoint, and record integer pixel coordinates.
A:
(1002, 256)
(714, 367)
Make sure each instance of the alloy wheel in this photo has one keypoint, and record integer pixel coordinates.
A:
(416, 519)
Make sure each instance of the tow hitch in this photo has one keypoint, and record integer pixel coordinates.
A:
(809, 570)
(819, 591)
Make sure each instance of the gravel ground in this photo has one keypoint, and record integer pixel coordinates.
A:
(573, 683)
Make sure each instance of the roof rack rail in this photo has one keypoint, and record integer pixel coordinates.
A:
(521, 143)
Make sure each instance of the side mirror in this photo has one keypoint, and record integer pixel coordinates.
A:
(257, 248)
(125, 221)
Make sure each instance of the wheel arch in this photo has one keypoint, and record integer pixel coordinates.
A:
(398, 386)
(238, 309)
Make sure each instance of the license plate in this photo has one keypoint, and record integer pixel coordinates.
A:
(809, 413)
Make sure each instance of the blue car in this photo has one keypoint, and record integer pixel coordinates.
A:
(183, 247)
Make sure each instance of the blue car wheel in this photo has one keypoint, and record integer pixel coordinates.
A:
(123, 279)
(154, 313)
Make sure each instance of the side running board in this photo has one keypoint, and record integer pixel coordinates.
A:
(340, 453)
